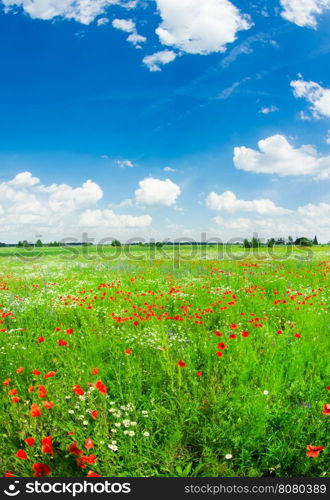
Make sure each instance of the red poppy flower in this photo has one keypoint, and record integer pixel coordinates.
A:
(9, 474)
(41, 470)
(219, 354)
(21, 454)
(69, 331)
(12, 392)
(50, 374)
(128, 352)
(313, 451)
(36, 372)
(30, 389)
(41, 339)
(297, 335)
(199, 374)
(62, 342)
(328, 387)
(89, 444)
(245, 334)
(6, 382)
(47, 445)
(94, 414)
(78, 390)
(84, 460)
(279, 332)
(233, 336)
(92, 474)
(74, 450)
(42, 391)
(181, 363)
(222, 346)
(233, 326)
(15, 400)
(217, 333)
(30, 441)
(57, 329)
(101, 387)
(35, 410)
(20, 369)
(48, 404)
(136, 323)
(95, 371)
(326, 409)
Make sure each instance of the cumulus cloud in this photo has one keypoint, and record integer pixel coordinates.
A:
(157, 192)
(304, 12)
(129, 26)
(228, 202)
(107, 218)
(199, 27)
(24, 179)
(277, 156)
(82, 11)
(155, 61)
(315, 94)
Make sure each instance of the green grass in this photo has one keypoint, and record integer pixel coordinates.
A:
(193, 421)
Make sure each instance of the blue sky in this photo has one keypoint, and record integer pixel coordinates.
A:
(166, 126)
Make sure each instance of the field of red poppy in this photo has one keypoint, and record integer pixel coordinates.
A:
(155, 367)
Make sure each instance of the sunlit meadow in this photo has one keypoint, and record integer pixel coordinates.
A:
(155, 365)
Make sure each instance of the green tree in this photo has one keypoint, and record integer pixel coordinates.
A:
(315, 242)
(246, 244)
(39, 243)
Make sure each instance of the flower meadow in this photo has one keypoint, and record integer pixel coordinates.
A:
(143, 368)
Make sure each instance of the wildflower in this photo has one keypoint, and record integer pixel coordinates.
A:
(89, 444)
(181, 364)
(50, 374)
(219, 354)
(222, 346)
(20, 369)
(30, 389)
(313, 451)
(112, 447)
(233, 336)
(62, 342)
(228, 456)
(297, 335)
(42, 391)
(101, 387)
(146, 434)
(233, 326)
(279, 332)
(36, 372)
(74, 450)
(6, 382)
(47, 445)
(128, 352)
(78, 390)
(15, 400)
(69, 331)
(94, 414)
(95, 371)
(41, 470)
(30, 441)
(41, 339)
(245, 334)
(326, 409)
(48, 404)
(199, 374)
(266, 393)
(217, 333)
(92, 474)
(22, 455)
(35, 410)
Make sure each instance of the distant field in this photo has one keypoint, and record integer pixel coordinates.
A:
(191, 361)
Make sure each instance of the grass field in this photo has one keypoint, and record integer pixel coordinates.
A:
(146, 364)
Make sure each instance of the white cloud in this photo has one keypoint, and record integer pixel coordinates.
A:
(102, 21)
(169, 169)
(269, 109)
(200, 27)
(126, 25)
(304, 12)
(107, 218)
(124, 164)
(24, 179)
(129, 26)
(315, 94)
(155, 61)
(277, 156)
(65, 199)
(157, 192)
(82, 11)
(228, 202)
